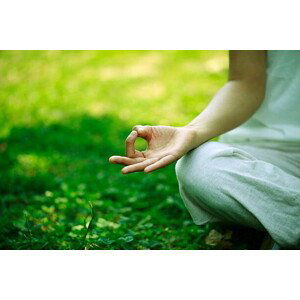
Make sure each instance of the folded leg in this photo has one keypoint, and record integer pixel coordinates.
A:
(222, 182)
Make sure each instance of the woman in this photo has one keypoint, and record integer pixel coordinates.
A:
(251, 176)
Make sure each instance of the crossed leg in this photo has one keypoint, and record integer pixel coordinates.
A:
(221, 182)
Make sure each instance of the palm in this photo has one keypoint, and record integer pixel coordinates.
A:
(166, 144)
(161, 140)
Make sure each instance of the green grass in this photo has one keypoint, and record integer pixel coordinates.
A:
(63, 113)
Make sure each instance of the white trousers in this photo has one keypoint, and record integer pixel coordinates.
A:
(256, 186)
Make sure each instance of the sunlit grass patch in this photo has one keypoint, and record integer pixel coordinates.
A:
(31, 163)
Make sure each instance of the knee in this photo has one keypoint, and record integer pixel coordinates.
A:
(200, 166)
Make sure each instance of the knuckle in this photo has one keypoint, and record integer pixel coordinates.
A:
(136, 127)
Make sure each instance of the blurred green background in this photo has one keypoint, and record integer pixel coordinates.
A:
(63, 113)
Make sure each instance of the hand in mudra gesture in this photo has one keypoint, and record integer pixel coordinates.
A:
(166, 144)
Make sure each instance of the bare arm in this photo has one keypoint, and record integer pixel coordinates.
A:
(238, 99)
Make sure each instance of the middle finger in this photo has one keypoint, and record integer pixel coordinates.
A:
(139, 166)
(123, 160)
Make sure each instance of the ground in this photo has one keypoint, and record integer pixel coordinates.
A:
(63, 113)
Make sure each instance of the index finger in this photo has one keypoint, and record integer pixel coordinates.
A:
(129, 143)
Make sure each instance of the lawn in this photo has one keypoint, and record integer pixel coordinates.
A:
(63, 113)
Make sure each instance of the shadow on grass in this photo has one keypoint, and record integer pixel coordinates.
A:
(52, 174)
(35, 158)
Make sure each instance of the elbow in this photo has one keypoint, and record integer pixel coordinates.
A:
(254, 88)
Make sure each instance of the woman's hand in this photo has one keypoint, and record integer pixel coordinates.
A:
(166, 144)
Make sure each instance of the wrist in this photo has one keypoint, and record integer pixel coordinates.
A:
(200, 134)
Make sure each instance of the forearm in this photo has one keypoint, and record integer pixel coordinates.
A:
(232, 105)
